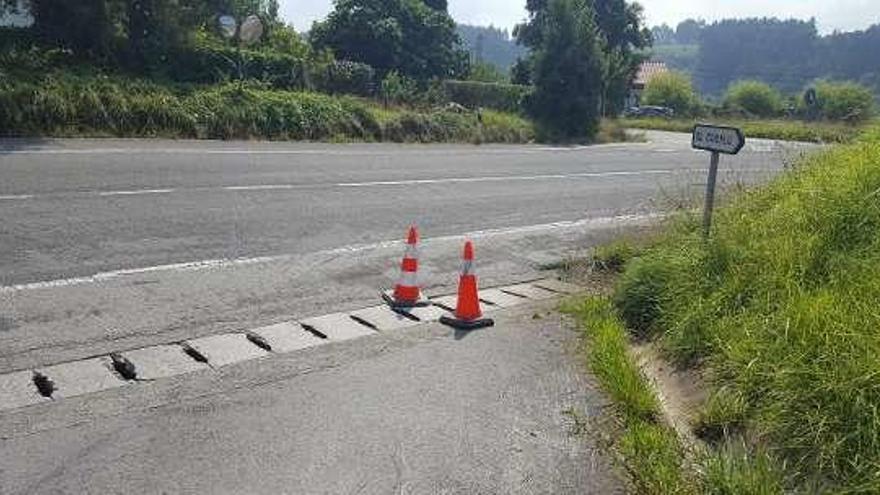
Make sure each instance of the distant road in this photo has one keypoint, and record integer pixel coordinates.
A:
(107, 243)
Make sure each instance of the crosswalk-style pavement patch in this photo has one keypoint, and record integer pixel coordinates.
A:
(384, 318)
(25, 388)
(287, 337)
(223, 350)
(529, 291)
(163, 361)
(427, 313)
(82, 377)
(501, 299)
(337, 326)
(18, 390)
(558, 286)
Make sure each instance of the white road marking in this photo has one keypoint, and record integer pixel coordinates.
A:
(135, 192)
(502, 178)
(265, 187)
(12, 197)
(355, 248)
(241, 151)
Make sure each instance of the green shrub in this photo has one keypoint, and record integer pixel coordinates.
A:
(497, 96)
(755, 98)
(846, 101)
(345, 77)
(671, 89)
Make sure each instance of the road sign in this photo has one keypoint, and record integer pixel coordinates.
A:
(718, 139)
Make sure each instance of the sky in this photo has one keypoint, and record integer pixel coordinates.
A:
(831, 15)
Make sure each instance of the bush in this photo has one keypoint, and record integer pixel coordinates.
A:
(846, 101)
(344, 77)
(212, 63)
(755, 98)
(671, 89)
(497, 96)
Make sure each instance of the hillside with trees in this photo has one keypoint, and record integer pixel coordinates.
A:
(787, 54)
(490, 45)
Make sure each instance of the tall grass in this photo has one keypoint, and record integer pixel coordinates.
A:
(73, 105)
(782, 306)
(649, 448)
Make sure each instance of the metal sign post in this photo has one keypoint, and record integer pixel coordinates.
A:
(717, 140)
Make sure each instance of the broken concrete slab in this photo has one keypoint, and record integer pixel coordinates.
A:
(287, 337)
(384, 318)
(162, 361)
(558, 286)
(338, 326)
(226, 349)
(18, 390)
(530, 291)
(501, 299)
(83, 377)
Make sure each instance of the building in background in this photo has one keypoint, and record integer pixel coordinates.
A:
(646, 71)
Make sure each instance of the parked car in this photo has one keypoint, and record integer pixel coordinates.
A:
(649, 111)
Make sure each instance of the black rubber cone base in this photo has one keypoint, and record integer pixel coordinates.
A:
(388, 296)
(467, 324)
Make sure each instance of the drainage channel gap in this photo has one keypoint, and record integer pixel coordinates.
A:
(363, 322)
(259, 342)
(404, 312)
(513, 294)
(490, 303)
(196, 355)
(312, 330)
(45, 385)
(444, 306)
(124, 367)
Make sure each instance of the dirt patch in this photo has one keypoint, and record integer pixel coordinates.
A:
(681, 392)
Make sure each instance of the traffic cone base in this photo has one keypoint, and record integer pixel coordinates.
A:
(467, 324)
(388, 296)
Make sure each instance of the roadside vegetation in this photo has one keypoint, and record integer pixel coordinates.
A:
(778, 311)
(829, 112)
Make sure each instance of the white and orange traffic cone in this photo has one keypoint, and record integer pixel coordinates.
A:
(406, 293)
(468, 315)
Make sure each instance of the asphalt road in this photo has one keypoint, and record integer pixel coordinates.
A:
(117, 244)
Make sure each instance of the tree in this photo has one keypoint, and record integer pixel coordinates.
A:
(404, 35)
(670, 89)
(755, 97)
(567, 72)
(779, 53)
(619, 28)
(845, 101)
(688, 31)
(663, 35)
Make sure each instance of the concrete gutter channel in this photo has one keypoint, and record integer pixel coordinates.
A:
(75, 378)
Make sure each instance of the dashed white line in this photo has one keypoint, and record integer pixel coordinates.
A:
(12, 197)
(134, 192)
(264, 187)
(502, 178)
(621, 220)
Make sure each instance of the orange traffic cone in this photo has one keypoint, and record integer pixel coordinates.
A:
(406, 293)
(468, 315)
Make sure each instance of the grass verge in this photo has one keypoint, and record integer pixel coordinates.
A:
(784, 130)
(74, 105)
(779, 308)
(651, 450)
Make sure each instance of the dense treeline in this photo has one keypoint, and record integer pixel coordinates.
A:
(789, 55)
(491, 45)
